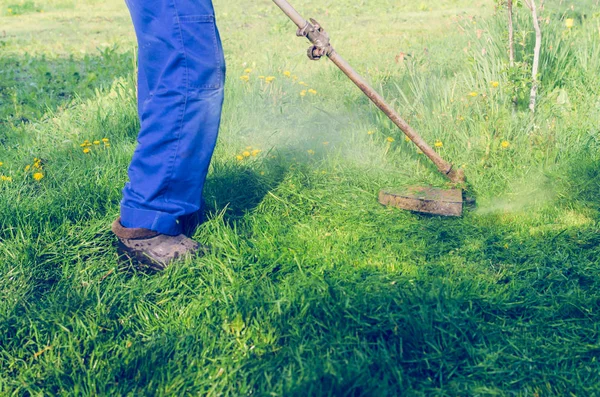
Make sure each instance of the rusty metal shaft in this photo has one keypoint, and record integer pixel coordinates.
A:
(316, 35)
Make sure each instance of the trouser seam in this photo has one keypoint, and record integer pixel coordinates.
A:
(183, 108)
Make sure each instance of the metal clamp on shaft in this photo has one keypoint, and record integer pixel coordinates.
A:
(319, 37)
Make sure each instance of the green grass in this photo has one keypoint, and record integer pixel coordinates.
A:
(312, 288)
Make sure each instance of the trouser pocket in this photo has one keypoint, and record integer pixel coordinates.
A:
(204, 62)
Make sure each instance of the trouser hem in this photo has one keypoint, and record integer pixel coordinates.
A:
(157, 221)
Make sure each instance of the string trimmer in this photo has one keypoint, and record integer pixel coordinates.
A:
(448, 202)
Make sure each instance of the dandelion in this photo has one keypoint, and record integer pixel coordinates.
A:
(473, 94)
(303, 83)
(370, 132)
(303, 93)
(6, 178)
(107, 145)
(270, 79)
(105, 140)
(9, 10)
(38, 176)
(246, 154)
(310, 151)
(294, 77)
(247, 70)
(438, 144)
(311, 91)
(287, 73)
(87, 150)
(255, 152)
(27, 167)
(495, 84)
(96, 142)
(245, 78)
(569, 23)
(325, 143)
(261, 77)
(1, 163)
(505, 144)
(239, 157)
(419, 151)
(407, 139)
(390, 139)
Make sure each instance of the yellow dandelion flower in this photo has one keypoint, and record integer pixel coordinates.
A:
(9, 10)
(303, 93)
(261, 77)
(505, 144)
(255, 152)
(419, 151)
(1, 163)
(390, 139)
(245, 78)
(37, 165)
(310, 151)
(303, 83)
(270, 79)
(246, 154)
(247, 70)
(370, 132)
(6, 178)
(38, 176)
(407, 139)
(311, 91)
(27, 167)
(239, 157)
(325, 143)
(438, 144)
(294, 77)
(495, 84)
(569, 23)
(105, 140)
(96, 142)
(473, 94)
(107, 144)
(86, 150)
(287, 73)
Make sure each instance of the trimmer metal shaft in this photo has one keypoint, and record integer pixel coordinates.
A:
(322, 46)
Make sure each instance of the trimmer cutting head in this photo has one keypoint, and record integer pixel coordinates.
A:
(445, 202)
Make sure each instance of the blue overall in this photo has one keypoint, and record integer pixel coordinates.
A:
(181, 75)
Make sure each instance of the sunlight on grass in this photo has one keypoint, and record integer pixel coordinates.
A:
(311, 287)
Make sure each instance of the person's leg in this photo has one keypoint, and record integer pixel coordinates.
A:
(180, 93)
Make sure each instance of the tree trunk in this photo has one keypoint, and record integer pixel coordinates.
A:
(511, 35)
(536, 57)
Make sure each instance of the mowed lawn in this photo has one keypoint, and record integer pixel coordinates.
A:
(311, 287)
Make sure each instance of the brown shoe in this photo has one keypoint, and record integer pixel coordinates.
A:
(150, 249)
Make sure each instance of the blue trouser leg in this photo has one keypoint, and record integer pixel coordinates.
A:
(180, 95)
